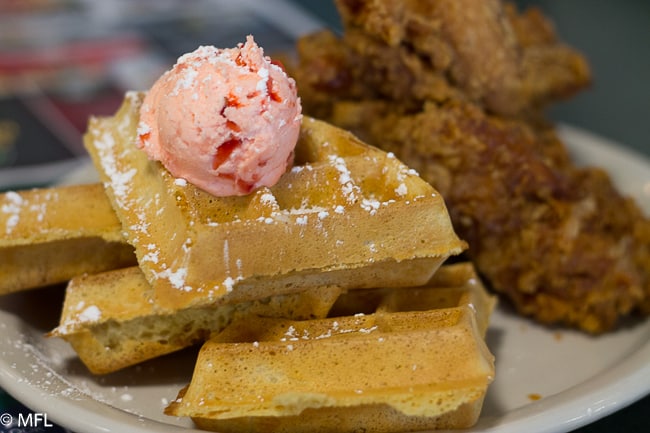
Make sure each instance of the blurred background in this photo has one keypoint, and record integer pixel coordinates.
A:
(615, 37)
(62, 60)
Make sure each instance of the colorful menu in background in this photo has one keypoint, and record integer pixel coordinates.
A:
(63, 60)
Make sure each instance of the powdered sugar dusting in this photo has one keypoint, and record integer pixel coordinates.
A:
(186, 79)
(16, 207)
(176, 278)
(152, 255)
(370, 205)
(401, 190)
(263, 73)
(82, 316)
(268, 199)
(229, 284)
(90, 314)
(230, 281)
(300, 212)
(119, 181)
(350, 190)
(12, 208)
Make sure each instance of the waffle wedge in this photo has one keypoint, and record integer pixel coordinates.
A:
(397, 369)
(345, 212)
(53, 234)
(112, 322)
(452, 285)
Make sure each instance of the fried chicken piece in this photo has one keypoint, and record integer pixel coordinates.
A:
(412, 51)
(456, 89)
(557, 240)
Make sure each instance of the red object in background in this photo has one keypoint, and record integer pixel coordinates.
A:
(61, 85)
(102, 103)
(85, 53)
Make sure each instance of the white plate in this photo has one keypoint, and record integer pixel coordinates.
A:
(578, 378)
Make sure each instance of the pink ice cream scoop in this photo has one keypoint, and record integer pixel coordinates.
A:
(226, 120)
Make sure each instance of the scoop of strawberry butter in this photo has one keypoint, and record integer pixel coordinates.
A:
(226, 120)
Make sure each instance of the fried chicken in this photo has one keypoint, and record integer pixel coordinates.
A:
(456, 89)
(435, 50)
(557, 240)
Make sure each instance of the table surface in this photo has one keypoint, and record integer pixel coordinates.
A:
(614, 36)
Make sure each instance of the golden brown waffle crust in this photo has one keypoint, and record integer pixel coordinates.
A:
(344, 206)
(111, 321)
(418, 362)
(50, 235)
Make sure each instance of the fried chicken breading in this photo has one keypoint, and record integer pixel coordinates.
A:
(456, 89)
(414, 51)
(558, 240)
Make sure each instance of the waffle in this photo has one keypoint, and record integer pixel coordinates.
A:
(52, 234)
(346, 212)
(111, 321)
(452, 285)
(397, 369)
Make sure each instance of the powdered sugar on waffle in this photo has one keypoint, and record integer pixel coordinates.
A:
(12, 208)
(229, 282)
(292, 334)
(120, 182)
(83, 315)
(323, 201)
(349, 188)
(16, 205)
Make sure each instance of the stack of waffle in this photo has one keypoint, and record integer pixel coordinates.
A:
(416, 362)
(156, 264)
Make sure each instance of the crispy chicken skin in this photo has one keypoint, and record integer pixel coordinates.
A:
(456, 89)
(557, 240)
(413, 51)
